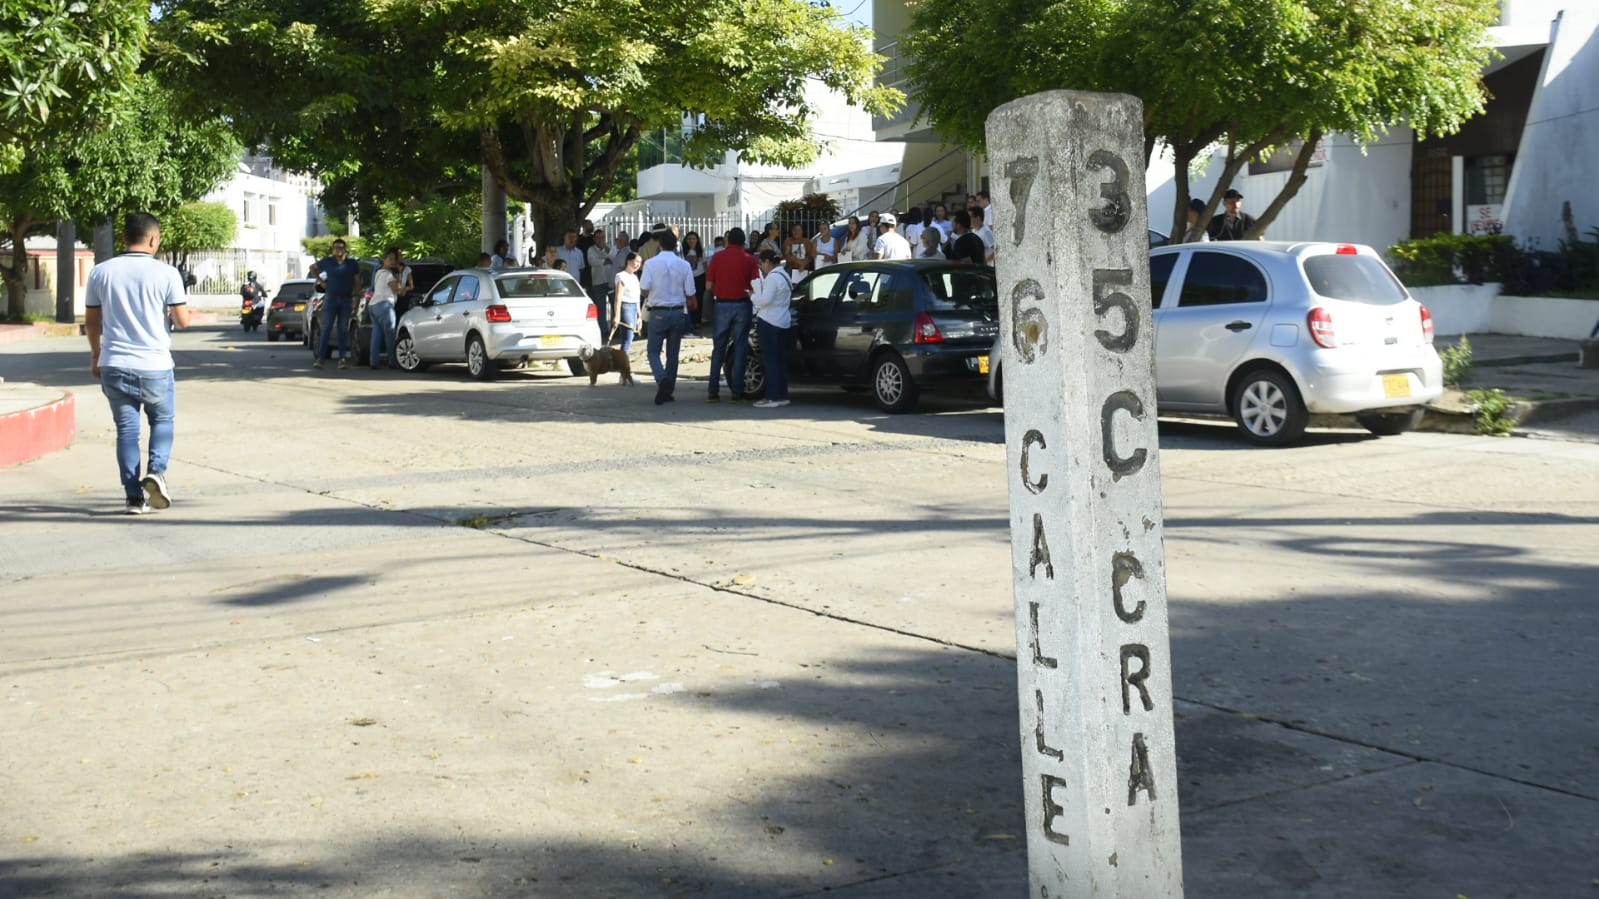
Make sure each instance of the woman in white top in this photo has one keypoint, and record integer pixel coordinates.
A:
(625, 310)
(857, 243)
(769, 295)
(797, 253)
(381, 307)
(826, 247)
(693, 252)
(929, 248)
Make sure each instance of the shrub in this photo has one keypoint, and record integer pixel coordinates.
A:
(1452, 259)
(1457, 362)
(1491, 405)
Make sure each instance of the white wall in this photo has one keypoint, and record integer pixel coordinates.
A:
(1357, 196)
(1558, 160)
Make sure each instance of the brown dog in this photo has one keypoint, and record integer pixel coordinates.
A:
(598, 361)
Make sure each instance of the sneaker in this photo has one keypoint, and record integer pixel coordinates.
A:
(740, 398)
(776, 403)
(344, 363)
(765, 404)
(135, 507)
(713, 398)
(317, 364)
(156, 486)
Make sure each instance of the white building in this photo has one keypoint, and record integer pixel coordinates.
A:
(276, 209)
(1515, 167)
(851, 165)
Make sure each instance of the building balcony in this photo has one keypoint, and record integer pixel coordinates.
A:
(899, 125)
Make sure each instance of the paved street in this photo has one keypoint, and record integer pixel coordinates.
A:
(416, 636)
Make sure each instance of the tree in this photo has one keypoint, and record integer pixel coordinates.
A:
(193, 227)
(1246, 76)
(63, 67)
(155, 159)
(398, 99)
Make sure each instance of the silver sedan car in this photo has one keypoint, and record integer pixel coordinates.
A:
(1269, 333)
(496, 319)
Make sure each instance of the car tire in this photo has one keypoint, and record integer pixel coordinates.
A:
(892, 386)
(478, 363)
(754, 377)
(272, 337)
(574, 364)
(1390, 424)
(405, 353)
(1267, 408)
(359, 349)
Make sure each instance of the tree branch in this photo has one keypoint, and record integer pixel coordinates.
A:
(1296, 180)
(494, 161)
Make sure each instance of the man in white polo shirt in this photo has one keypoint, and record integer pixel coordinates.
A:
(890, 245)
(130, 353)
(669, 294)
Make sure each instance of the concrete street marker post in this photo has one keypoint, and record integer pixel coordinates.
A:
(1093, 653)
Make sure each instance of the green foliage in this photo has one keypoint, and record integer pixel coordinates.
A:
(155, 159)
(1571, 270)
(813, 212)
(1457, 362)
(1246, 75)
(64, 65)
(1492, 412)
(1452, 258)
(447, 227)
(402, 99)
(193, 227)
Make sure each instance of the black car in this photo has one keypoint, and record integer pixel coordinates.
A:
(286, 314)
(894, 327)
(424, 274)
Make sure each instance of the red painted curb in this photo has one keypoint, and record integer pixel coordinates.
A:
(30, 433)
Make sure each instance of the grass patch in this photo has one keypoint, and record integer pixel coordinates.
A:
(479, 522)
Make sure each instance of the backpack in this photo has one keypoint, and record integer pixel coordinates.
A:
(249, 291)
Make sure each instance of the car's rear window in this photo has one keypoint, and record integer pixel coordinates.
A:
(538, 286)
(296, 292)
(961, 289)
(1363, 279)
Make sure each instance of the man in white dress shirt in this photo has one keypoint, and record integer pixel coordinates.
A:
(668, 289)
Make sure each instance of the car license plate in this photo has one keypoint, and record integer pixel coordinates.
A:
(1396, 385)
(982, 365)
(299, 307)
(552, 340)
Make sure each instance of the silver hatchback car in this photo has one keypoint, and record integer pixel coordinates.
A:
(1269, 333)
(494, 319)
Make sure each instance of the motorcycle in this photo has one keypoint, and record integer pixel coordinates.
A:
(252, 310)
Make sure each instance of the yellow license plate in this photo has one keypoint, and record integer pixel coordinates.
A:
(982, 365)
(1396, 385)
(299, 307)
(552, 340)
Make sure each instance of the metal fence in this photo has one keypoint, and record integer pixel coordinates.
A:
(222, 271)
(634, 223)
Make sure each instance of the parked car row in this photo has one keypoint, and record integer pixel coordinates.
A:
(1269, 333)
(1265, 333)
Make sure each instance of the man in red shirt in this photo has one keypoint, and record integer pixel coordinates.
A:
(728, 279)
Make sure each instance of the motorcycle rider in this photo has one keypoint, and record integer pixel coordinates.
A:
(252, 293)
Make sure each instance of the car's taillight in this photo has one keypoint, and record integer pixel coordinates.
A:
(279, 304)
(1321, 327)
(1426, 324)
(927, 330)
(1347, 249)
(593, 314)
(497, 313)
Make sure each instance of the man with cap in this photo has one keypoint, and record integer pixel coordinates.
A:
(1234, 223)
(1194, 233)
(890, 245)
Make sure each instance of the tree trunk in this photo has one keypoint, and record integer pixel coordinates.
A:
(560, 187)
(16, 272)
(1296, 180)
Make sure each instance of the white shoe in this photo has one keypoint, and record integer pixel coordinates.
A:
(765, 404)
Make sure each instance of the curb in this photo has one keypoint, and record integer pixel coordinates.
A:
(1455, 421)
(1529, 359)
(44, 420)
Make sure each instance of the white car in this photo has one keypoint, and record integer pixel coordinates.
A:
(1268, 333)
(494, 319)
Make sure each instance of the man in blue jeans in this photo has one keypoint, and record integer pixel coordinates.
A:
(668, 289)
(130, 354)
(728, 279)
(343, 278)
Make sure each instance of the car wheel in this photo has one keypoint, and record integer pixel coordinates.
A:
(478, 363)
(892, 386)
(359, 349)
(272, 337)
(1268, 409)
(1390, 424)
(574, 364)
(754, 377)
(405, 353)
